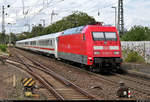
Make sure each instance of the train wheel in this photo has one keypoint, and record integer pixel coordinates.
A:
(94, 69)
(99, 67)
(119, 69)
(91, 69)
(83, 66)
(114, 68)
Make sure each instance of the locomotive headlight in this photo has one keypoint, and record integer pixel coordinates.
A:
(116, 52)
(96, 53)
(114, 47)
(89, 58)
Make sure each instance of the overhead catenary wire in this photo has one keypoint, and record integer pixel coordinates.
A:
(32, 13)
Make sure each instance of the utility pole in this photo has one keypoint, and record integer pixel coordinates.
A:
(10, 31)
(28, 27)
(120, 17)
(52, 14)
(115, 15)
(43, 3)
(3, 25)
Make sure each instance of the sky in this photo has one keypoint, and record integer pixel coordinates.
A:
(22, 15)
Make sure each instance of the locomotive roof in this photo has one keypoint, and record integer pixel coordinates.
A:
(75, 30)
(79, 29)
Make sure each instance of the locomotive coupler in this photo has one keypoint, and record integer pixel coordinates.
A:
(123, 91)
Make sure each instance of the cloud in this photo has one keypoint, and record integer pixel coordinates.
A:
(136, 12)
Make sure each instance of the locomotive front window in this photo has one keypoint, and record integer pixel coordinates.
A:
(98, 36)
(108, 36)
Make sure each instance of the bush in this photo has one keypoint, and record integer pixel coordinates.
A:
(137, 33)
(134, 57)
(3, 48)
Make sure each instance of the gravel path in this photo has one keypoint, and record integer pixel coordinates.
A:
(7, 91)
(2, 84)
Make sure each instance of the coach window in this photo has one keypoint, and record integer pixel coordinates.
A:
(50, 43)
(43, 42)
(40, 42)
(47, 42)
(26, 43)
(53, 42)
(34, 42)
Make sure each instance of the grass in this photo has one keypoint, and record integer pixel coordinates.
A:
(132, 56)
(3, 48)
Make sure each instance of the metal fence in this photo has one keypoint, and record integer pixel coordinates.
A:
(142, 47)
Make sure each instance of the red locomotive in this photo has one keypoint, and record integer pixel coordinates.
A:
(95, 46)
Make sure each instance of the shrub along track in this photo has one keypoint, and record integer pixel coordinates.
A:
(100, 85)
(61, 88)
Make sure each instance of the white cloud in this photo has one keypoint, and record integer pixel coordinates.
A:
(136, 12)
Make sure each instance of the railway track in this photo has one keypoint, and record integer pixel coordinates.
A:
(135, 84)
(133, 79)
(61, 88)
(138, 85)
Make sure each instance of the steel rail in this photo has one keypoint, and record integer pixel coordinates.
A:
(112, 82)
(60, 78)
(40, 78)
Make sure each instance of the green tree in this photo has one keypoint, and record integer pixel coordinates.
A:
(37, 30)
(137, 33)
(13, 38)
(22, 36)
(73, 20)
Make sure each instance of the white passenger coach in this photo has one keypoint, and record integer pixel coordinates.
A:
(46, 43)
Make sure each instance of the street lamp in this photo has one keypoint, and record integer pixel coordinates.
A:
(10, 31)
(115, 15)
(3, 24)
(43, 22)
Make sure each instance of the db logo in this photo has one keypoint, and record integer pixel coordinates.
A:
(106, 47)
